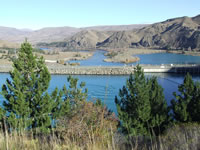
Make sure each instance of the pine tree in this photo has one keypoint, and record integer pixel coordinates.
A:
(27, 103)
(73, 96)
(180, 103)
(194, 105)
(133, 106)
(186, 105)
(142, 108)
(160, 118)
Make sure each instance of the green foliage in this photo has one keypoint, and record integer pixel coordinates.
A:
(71, 98)
(142, 108)
(159, 119)
(74, 94)
(186, 105)
(28, 105)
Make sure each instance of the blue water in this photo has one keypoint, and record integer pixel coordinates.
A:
(44, 48)
(107, 87)
(155, 59)
(168, 58)
(97, 60)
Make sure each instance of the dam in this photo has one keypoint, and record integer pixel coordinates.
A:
(116, 70)
(125, 70)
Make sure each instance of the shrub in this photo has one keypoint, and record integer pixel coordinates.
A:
(89, 123)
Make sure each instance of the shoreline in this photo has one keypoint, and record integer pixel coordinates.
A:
(185, 53)
(128, 55)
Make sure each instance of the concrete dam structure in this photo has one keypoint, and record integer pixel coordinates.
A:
(117, 70)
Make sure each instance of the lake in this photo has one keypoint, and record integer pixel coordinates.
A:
(107, 87)
(154, 59)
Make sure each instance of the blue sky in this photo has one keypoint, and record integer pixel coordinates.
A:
(36, 14)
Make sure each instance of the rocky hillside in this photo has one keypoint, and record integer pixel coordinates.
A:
(86, 39)
(179, 33)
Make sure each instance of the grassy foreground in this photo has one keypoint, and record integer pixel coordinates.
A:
(179, 137)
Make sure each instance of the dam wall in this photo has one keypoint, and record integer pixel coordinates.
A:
(115, 70)
(92, 70)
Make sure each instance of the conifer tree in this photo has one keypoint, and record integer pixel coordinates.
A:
(133, 106)
(194, 105)
(160, 118)
(73, 96)
(186, 105)
(141, 107)
(180, 103)
(27, 103)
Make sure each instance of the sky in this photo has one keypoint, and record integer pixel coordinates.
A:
(37, 14)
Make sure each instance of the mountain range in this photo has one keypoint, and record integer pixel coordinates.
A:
(178, 33)
(53, 34)
(181, 33)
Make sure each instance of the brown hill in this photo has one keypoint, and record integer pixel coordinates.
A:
(8, 34)
(178, 33)
(45, 35)
(86, 39)
(53, 34)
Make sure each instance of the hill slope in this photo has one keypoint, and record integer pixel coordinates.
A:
(178, 33)
(86, 39)
(8, 34)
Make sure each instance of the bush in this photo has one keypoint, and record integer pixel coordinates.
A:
(88, 124)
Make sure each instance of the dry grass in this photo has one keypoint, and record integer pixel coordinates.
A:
(89, 127)
(9, 44)
(68, 56)
(181, 137)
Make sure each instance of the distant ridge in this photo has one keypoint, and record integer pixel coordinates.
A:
(116, 27)
(53, 34)
(181, 33)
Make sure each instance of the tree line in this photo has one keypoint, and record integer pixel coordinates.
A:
(141, 105)
(143, 109)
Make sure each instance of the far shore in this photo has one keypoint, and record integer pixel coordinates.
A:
(122, 55)
(128, 55)
(185, 52)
